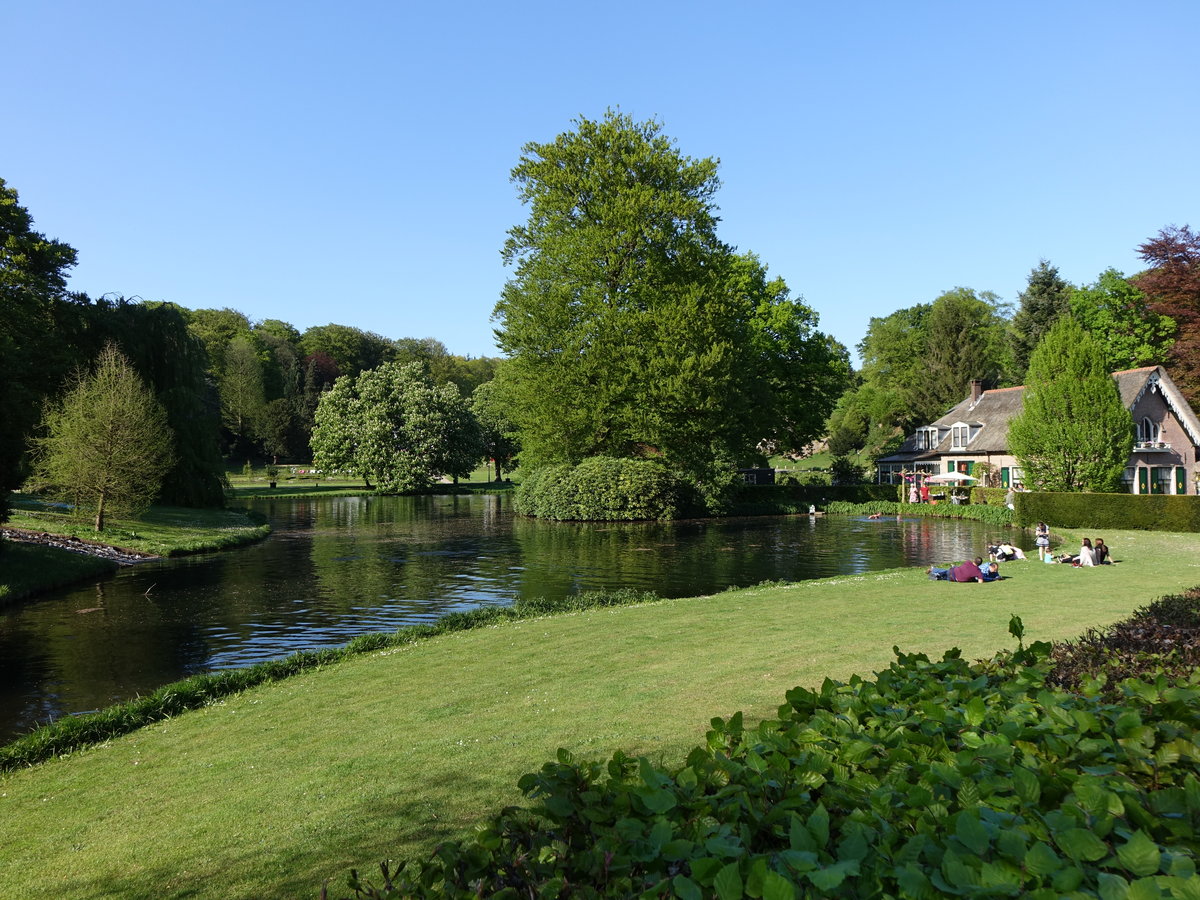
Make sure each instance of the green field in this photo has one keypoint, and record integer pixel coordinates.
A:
(269, 793)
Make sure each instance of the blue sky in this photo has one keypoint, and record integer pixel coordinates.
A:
(349, 162)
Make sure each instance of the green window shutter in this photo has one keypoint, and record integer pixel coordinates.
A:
(1180, 480)
(1004, 476)
(1143, 480)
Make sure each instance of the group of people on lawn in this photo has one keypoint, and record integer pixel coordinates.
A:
(977, 570)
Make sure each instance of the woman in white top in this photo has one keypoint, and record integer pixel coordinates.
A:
(1086, 555)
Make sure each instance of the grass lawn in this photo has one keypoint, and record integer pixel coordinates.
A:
(269, 793)
(27, 568)
(161, 530)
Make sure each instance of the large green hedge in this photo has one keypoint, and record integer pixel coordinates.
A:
(600, 489)
(1152, 512)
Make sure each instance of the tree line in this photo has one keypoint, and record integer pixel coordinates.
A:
(919, 361)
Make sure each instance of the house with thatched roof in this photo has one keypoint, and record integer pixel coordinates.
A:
(972, 438)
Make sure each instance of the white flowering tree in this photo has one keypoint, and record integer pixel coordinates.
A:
(394, 428)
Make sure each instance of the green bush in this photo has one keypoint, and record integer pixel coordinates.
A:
(769, 499)
(936, 779)
(1151, 512)
(600, 489)
(989, 496)
(993, 515)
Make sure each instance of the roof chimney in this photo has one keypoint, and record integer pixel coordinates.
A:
(976, 390)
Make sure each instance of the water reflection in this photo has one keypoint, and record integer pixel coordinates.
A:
(338, 567)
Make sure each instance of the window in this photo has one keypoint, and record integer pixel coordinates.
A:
(960, 436)
(1148, 431)
(927, 438)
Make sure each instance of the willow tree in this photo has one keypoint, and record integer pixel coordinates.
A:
(1073, 432)
(106, 444)
(632, 330)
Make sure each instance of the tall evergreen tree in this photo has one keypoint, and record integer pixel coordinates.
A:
(1073, 432)
(1046, 298)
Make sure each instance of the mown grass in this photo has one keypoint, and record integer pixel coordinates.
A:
(160, 531)
(26, 569)
(268, 793)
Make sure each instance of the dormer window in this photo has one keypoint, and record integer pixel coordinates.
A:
(960, 436)
(1147, 431)
(927, 438)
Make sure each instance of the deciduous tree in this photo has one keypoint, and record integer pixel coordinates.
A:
(1073, 432)
(1118, 316)
(1172, 283)
(632, 329)
(107, 444)
(393, 426)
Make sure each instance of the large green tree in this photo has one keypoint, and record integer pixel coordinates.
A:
(106, 445)
(1118, 315)
(395, 429)
(632, 329)
(965, 341)
(1073, 432)
(1046, 298)
(33, 358)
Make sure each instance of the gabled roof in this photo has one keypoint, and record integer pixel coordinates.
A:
(994, 410)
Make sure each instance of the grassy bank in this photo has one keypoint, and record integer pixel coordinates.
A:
(268, 793)
(160, 531)
(27, 569)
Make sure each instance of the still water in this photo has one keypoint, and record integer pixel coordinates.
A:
(337, 567)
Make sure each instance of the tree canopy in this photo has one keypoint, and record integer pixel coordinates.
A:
(396, 429)
(1172, 284)
(1118, 316)
(1046, 298)
(633, 330)
(1073, 432)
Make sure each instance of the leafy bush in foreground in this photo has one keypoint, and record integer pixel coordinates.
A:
(937, 779)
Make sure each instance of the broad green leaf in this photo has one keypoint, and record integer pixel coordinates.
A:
(686, 889)
(1113, 887)
(1145, 889)
(972, 832)
(1081, 844)
(818, 826)
(728, 883)
(776, 887)
(975, 711)
(1042, 860)
(1026, 784)
(830, 877)
(1139, 854)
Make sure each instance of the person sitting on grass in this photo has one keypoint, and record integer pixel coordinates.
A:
(964, 572)
(1101, 552)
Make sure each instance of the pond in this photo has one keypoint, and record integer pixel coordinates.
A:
(338, 567)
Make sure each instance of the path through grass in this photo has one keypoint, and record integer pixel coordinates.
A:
(271, 792)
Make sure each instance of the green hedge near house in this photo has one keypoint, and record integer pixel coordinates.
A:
(1151, 512)
(783, 499)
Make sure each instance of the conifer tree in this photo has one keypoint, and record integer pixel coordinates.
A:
(1073, 433)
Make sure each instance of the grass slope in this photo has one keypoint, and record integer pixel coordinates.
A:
(269, 793)
(160, 530)
(26, 569)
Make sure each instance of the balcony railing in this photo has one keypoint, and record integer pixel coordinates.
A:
(1151, 445)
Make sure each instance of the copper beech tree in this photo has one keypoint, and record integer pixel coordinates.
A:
(1172, 283)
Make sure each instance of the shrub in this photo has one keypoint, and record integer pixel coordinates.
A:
(1152, 512)
(600, 489)
(938, 778)
(993, 515)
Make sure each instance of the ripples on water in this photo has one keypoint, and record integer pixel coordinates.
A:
(338, 567)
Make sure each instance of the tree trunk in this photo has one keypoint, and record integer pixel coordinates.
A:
(99, 521)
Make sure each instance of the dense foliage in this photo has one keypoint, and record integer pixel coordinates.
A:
(1046, 299)
(633, 330)
(993, 515)
(936, 779)
(1171, 283)
(393, 426)
(601, 489)
(73, 733)
(1073, 432)
(1153, 512)
(1119, 317)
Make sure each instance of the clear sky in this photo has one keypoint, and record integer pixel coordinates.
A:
(349, 162)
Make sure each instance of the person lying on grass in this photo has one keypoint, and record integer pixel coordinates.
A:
(964, 572)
